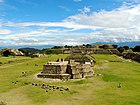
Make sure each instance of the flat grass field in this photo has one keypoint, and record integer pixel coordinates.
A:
(96, 90)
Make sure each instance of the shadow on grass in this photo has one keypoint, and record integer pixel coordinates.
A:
(113, 78)
(80, 82)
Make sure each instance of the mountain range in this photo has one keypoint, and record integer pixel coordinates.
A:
(130, 44)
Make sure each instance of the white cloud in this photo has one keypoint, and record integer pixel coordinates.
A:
(129, 1)
(28, 2)
(77, 0)
(4, 31)
(1, 1)
(65, 24)
(121, 24)
(4, 6)
(135, 1)
(118, 25)
(84, 10)
(124, 17)
(40, 37)
(64, 8)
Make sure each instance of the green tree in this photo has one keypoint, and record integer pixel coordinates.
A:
(120, 49)
(88, 46)
(6, 53)
(126, 47)
(136, 49)
(115, 46)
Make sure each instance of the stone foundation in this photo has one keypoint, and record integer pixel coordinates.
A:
(54, 76)
(67, 69)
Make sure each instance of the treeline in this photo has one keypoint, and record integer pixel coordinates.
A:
(51, 51)
(60, 49)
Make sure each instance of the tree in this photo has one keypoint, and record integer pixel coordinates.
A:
(120, 49)
(88, 46)
(6, 53)
(136, 49)
(107, 46)
(54, 51)
(26, 52)
(57, 47)
(115, 46)
(101, 46)
(66, 46)
(126, 47)
(83, 45)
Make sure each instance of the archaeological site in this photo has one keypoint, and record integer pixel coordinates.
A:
(73, 67)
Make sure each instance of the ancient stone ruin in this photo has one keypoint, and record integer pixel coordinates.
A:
(68, 68)
(37, 55)
(108, 49)
(13, 52)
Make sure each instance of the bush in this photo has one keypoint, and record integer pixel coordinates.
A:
(6, 53)
(126, 47)
(54, 51)
(120, 49)
(3, 103)
(115, 46)
(136, 49)
(107, 46)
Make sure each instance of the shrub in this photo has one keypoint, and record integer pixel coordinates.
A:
(120, 49)
(136, 49)
(3, 103)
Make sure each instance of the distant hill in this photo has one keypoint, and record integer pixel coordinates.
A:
(28, 46)
(130, 44)
(40, 47)
(30, 50)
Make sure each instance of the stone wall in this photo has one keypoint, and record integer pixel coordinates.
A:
(54, 69)
(54, 76)
(67, 51)
(132, 56)
(85, 50)
(80, 70)
(87, 70)
(102, 51)
(68, 68)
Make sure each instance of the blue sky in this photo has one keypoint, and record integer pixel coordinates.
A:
(61, 22)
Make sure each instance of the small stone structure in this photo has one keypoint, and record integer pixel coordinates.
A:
(13, 52)
(78, 70)
(37, 55)
(93, 50)
(67, 69)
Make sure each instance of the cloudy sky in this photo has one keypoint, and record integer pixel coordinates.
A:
(71, 22)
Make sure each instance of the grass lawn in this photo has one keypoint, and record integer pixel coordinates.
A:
(97, 90)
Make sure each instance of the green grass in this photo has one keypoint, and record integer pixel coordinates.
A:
(113, 78)
(97, 90)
